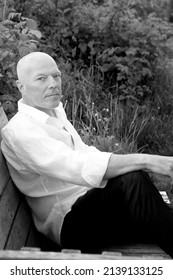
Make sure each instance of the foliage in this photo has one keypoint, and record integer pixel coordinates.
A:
(18, 36)
(125, 39)
(114, 59)
(101, 122)
(116, 52)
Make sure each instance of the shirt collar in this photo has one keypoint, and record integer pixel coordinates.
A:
(33, 112)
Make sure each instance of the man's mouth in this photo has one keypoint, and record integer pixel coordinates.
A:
(53, 94)
(57, 93)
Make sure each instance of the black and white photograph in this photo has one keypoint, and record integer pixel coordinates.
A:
(86, 122)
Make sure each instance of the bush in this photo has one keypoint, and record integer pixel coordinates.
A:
(18, 36)
(116, 77)
(125, 49)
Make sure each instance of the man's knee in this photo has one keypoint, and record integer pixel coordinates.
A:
(131, 183)
(136, 181)
(135, 176)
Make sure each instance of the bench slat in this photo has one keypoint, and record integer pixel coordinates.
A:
(138, 249)
(3, 118)
(37, 239)
(19, 228)
(38, 255)
(15, 216)
(8, 206)
(4, 174)
(32, 238)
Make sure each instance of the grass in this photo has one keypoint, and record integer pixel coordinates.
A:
(99, 117)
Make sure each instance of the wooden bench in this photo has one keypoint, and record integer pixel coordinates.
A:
(19, 238)
(16, 226)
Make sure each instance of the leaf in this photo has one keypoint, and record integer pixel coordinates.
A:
(16, 17)
(140, 92)
(8, 22)
(4, 54)
(1, 41)
(105, 67)
(59, 11)
(20, 25)
(122, 97)
(32, 46)
(73, 52)
(131, 51)
(31, 24)
(23, 51)
(37, 33)
(83, 47)
(24, 30)
(23, 37)
(120, 77)
(146, 72)
(67, 10)
(90, 44)
(10, 75)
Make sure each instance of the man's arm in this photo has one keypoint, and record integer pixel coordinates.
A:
(35, 151)
(121, 164)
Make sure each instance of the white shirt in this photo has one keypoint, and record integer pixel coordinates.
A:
(50, 165)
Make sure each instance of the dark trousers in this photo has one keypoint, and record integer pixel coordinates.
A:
(129, 209)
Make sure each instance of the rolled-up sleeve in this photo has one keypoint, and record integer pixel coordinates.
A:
(94, 167)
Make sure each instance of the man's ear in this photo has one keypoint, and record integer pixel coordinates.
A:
(20, 86)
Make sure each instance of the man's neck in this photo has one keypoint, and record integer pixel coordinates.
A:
(50, 112)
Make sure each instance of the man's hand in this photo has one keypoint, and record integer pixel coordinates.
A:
(160, 164)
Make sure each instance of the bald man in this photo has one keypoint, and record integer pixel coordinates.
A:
(80, 198)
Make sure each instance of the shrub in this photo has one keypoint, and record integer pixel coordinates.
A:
(114, 58)
(18, 36)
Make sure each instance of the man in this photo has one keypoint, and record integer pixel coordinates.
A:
(80, 197)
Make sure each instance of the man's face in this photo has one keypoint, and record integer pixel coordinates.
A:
(41, 87)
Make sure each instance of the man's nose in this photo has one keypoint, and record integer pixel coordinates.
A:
(52, 82)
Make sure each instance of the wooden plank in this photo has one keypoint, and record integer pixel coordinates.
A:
(139, 249)
(8, 206)
(3, 118)
(36, 255)
(31, 249)
(4, 174)
(37, 239)
(33, 237)
(20, 227)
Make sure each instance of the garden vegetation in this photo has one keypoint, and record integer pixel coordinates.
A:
(116, 59)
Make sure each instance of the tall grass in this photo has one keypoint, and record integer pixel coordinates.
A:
(99, 117)
(159, 131)
(110, 125)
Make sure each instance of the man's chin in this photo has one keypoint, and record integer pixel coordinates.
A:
(56, 104)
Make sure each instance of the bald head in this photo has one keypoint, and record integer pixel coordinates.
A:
(39, 81)
(29, 62)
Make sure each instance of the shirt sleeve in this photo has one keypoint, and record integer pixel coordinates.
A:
(40, 153)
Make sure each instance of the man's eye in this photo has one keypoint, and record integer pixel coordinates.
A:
(57, 76)
(41, 78)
